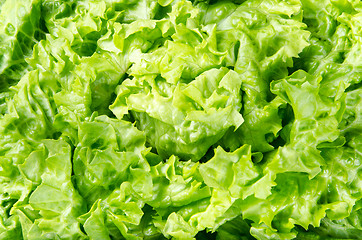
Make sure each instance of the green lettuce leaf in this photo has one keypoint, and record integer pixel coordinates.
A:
(106, 151)
(177, 119)
(19, 31)
(263, 54)
(50, 205)
(181, 124)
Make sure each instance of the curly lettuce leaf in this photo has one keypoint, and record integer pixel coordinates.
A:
(184, 196)
(181, 123)
(50, 205)
(263, 54)
(19, 31)
(106, 151)
(176, 119)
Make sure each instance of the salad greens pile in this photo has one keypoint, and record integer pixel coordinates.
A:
(176, 119)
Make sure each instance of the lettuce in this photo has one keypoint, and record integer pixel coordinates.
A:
(20, 29)
(180, 119)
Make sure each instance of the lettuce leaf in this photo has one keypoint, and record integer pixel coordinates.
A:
(20, 29)
(181, 123)
(180, 119)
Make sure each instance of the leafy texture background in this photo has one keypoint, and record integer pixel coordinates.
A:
(176, 119)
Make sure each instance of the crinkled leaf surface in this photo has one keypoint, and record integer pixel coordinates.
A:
(180, 119)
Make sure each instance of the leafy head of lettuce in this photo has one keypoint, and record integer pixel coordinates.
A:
(175, 119)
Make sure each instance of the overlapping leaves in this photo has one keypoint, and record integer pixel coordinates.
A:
(163, 119)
